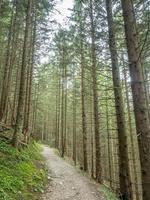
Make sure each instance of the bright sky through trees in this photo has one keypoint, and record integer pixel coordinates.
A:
(63, 8)
(60, 14)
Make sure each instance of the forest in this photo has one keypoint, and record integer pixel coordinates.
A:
(75, 88)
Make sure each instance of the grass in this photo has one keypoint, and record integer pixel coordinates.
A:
(107, 193)
(22, 173)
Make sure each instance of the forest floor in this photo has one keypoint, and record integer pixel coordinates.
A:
(23, 174)
(65, 182)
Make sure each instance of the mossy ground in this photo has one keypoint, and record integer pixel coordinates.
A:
(107, 193)
(22, 173)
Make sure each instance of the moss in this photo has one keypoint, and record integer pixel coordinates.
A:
(22, 174)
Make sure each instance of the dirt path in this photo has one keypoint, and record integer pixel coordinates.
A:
(65, 182)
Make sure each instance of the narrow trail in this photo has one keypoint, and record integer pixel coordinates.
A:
(65, 182)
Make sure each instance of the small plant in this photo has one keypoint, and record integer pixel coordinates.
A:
(6, 148)
(108, 194)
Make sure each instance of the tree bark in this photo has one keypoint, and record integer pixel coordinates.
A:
(134, 147)
(122, 134)
(62, 109)
(29, 80)
(84, 124)
(74, 122)
(95, 98)
(7, 67)
(20, 110)
(139, 94)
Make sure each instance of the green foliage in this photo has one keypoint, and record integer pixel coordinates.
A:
(22, 174)
(6, 148)
(108, 194)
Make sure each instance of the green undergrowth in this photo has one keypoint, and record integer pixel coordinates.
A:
(22, 173)
(107, 193)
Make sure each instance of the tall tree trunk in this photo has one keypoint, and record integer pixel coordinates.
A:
(15, 97)
(139, 94)
(122, 134)
(20, 110)
(62, 114)
(59, 99)
(56, 112)
(7, 67)
(133, 146)
(108, 136)
(65, 108)
(91, 130)
(95, 98)
(10, 58)
(84, 124)
(35, 104)
(74, 122)
(29, 80)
